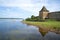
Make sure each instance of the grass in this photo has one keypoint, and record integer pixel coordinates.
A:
(48, 24)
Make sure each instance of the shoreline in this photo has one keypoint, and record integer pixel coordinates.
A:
(40, 26)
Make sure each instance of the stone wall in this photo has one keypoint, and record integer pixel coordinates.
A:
(54, 15)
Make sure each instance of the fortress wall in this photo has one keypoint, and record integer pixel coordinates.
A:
(54, 15)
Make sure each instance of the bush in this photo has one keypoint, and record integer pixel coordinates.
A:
(33, 18)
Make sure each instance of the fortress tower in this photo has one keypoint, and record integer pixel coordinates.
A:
(43, 13)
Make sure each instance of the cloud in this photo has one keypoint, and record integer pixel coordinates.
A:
(13, 12)
(28, 4)
(31, 6)
(24, 4)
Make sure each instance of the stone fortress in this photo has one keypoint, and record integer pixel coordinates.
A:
(45, 14)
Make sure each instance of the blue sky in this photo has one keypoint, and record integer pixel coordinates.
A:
(26, 8)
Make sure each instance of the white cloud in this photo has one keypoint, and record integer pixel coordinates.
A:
(24, 4)
(28, 5)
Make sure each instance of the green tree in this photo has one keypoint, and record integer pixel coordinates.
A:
(28, 19)
(33, 18)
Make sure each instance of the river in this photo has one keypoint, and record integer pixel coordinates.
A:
(14, 29)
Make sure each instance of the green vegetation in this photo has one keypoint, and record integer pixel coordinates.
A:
(48, 24)
(33, 18)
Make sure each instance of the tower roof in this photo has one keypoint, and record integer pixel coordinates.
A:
(44, 9)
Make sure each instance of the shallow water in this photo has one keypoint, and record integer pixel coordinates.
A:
(13, 29)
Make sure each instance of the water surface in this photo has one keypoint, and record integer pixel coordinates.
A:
(14, 29)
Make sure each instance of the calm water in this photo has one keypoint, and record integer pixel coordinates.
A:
(13, 29)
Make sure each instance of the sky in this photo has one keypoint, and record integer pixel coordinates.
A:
(26, 8)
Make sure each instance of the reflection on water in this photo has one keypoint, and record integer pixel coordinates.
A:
(46, 35)
(16, 30)
(43, 32)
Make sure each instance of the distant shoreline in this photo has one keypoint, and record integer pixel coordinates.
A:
(11, 18)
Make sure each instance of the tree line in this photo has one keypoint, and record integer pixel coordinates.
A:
(33, 18)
